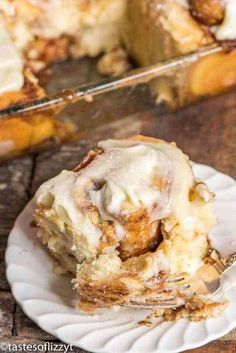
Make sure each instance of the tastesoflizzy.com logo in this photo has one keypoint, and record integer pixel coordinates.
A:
(39, 347)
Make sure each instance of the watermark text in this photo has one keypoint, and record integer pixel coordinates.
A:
(36, 347)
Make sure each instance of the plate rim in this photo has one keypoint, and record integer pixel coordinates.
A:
(35, 319)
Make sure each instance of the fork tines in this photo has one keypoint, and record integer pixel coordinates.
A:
(163, 304)
(218, 264)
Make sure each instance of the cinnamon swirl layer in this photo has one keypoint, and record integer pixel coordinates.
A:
(128, 218)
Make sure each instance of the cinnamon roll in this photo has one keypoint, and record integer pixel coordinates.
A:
(33, 33)
(36, 32)
(126, 220)
(157, 30)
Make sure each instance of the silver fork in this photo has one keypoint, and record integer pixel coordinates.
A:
(213, 287)
(168, 303)
(221, 265)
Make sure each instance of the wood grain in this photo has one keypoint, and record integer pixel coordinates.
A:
(206, 131)
(15, 181)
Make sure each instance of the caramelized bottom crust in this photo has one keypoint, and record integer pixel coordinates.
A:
(220, 71)
(30, 91)
(19, 133)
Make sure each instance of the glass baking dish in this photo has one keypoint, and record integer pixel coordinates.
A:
(34, 132)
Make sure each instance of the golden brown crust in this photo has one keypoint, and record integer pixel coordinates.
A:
(26, 132)
(30, 91)
(157, 30)
(20, 133)
(99, 295)
(208, 12)
(151, 31)
(43, 51)
(220, 70)
(114, 62)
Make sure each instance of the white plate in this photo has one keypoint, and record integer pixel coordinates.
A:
(48, 300)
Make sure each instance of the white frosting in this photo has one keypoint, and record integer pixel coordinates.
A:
(127, 177)
(71, 16)
(120, 181)
(59, 17)
(227, 30)
(58, 195)
(7, 7)
(183, 3)
(171, 165)
(11, 64)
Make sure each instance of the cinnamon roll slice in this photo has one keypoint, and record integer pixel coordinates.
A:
(124, 222)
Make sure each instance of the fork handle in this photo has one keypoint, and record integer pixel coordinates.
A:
(231, 260)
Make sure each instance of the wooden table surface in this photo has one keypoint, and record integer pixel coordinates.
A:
(206, 131)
